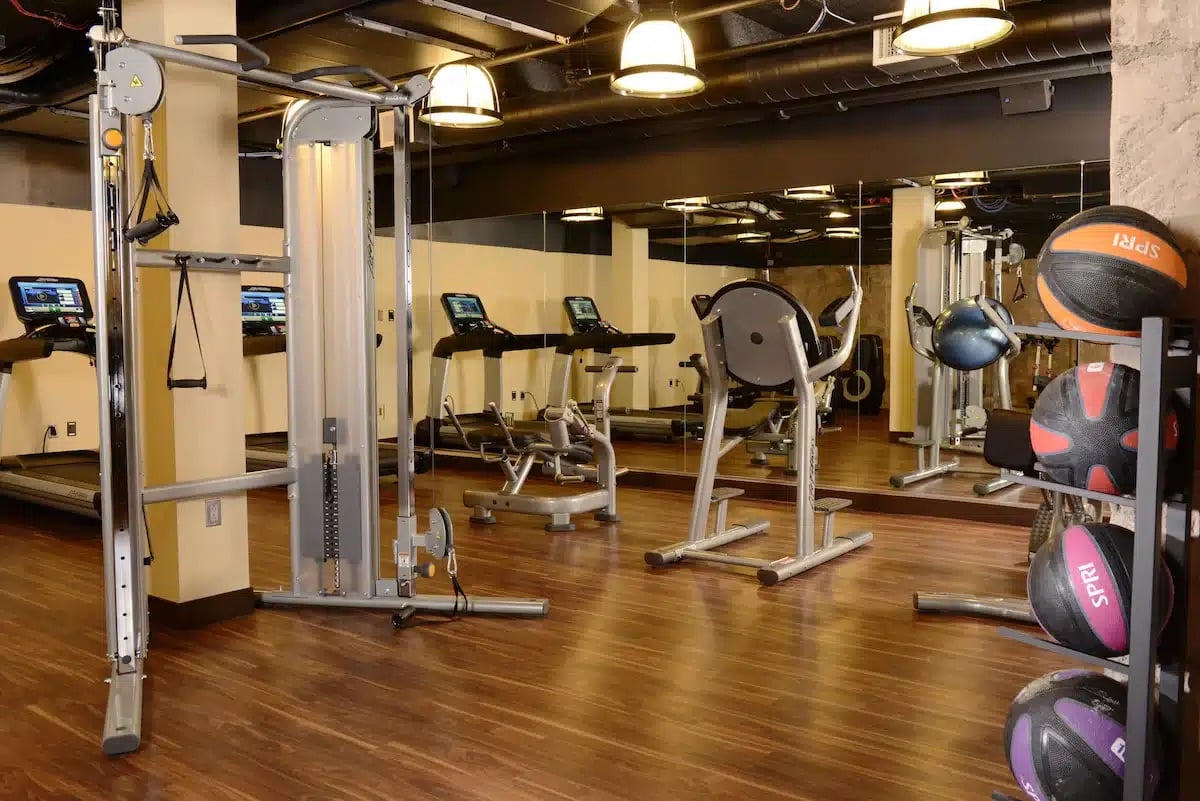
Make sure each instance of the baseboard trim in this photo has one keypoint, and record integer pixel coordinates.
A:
(882, 501)
(200, 612)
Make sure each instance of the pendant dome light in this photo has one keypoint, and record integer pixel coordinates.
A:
(752, 236)
(950, 204)
(961, 180)
(461, 96)
(949, 27)
(686, 204)
(586, 214)
(819, 192)
(839, 212)
(657, 59)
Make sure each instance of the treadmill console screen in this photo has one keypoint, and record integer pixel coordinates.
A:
(42, 300)
(264, 310)
(465, 312)
(583, 314)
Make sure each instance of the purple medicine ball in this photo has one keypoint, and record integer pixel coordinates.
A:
(1065, 738)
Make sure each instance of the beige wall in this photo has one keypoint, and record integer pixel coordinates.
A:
(523, 290)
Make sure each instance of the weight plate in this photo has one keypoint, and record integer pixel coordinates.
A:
(860, 379)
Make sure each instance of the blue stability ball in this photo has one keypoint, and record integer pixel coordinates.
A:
(964, 339)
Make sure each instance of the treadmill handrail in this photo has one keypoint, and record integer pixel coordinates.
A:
(24, 349)
(493, 342)
(605, 341)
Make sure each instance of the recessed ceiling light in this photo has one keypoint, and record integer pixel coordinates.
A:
(819, 192)
(752, 236)
(846, 232)
(585, 214)
(687, 203)
(960, 180)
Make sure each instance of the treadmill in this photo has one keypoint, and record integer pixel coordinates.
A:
(264, 331)
(591, 332)
(57, 316)
(473, 330)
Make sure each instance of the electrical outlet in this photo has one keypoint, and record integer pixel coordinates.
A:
(522, 394)
(514, 394)
(381, 411)
(212, 512)
(391, 315)
(72, 428)
(51, 431)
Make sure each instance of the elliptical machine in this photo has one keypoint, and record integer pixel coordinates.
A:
(759, 335)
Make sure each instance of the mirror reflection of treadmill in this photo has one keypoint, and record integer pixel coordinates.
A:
(264, 331)
(660, 423)
(473, 331)
(56, 313)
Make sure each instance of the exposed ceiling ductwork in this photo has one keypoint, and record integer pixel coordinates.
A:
(1046, 33)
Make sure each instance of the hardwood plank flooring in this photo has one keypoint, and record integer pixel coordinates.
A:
(689, 682)
(858, 457)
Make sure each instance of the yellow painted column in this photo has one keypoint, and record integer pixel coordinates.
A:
(912, 215)
(194, 434)
(626, 305)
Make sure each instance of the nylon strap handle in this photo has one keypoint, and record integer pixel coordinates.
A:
(181, 261)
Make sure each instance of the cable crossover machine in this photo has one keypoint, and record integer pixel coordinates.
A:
(329, 268)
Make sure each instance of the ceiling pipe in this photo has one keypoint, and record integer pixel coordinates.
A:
(1045, 34)
(751, 114)
(77, 82)
(541, 51)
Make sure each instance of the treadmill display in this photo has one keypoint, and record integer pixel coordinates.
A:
(465, 311)
(263, 305)
(49, 298)
(583, 313)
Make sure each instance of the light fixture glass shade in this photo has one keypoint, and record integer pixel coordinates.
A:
(461, 96)
(838, 214)
(961, 180)
(952, 204)
(947, 27)
(844, 232)
(657, 60)
(752, 236)
(585, 214)
(819, 192)
(687, 203)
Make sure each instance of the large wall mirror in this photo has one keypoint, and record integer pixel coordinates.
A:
(925, 243)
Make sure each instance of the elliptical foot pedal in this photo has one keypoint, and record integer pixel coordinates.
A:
(830, 505)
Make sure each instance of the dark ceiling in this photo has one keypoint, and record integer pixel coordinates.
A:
(1032, 202)
(46, 60)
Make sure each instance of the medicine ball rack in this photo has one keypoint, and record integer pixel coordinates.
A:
(1155, 688)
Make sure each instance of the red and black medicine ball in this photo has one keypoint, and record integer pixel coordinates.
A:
(1106, 268)
(1085, 428)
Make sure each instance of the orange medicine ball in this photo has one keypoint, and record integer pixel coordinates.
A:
(1106, 268)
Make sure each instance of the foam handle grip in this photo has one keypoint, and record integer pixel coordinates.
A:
(187, 383)
(24, 349)
(145, 230)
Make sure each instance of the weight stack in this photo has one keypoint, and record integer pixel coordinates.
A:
(863, 381)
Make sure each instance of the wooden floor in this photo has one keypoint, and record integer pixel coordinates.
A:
(857, 457)
(690, 682)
